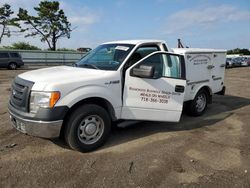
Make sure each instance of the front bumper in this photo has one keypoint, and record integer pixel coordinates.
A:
(44, 129)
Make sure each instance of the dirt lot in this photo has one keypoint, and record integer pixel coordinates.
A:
(208, 151)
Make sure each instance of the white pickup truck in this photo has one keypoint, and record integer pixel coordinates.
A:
(121, 80)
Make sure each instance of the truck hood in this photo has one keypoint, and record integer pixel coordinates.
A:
(60, 72)
(55, 76)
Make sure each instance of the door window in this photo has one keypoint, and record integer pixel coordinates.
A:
(172, 66)
(165, 65)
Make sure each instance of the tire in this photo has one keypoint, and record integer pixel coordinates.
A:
(12, 66)
(87, 128)
(198, 106)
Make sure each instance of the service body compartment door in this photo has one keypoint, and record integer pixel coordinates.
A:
(219, 64)
(199, 67)
(154, 88)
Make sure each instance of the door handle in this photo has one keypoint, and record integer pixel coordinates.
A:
(210, 66)
(179, 89)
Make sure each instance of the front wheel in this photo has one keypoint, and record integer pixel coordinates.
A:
(87, 128)
(198, 106)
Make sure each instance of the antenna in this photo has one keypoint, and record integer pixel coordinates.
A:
(180, 45)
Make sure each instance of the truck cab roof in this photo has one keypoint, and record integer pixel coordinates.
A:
(135, 42)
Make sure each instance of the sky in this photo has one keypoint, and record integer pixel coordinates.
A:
(220, 24)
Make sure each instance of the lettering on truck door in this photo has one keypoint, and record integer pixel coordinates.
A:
(154, 88)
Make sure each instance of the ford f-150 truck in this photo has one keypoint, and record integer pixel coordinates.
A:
(121, 80)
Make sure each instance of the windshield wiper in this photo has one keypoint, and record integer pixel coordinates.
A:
(89, 66)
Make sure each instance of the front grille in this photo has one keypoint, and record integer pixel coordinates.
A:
(20, 93)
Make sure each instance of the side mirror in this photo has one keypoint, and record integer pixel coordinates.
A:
(144, 71)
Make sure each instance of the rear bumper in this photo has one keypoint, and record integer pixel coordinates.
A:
(44, 129)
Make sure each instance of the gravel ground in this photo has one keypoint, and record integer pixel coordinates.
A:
(209, 151)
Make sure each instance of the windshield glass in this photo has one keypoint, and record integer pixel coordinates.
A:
(106, 56)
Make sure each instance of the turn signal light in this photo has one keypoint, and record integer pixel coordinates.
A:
(55, 96)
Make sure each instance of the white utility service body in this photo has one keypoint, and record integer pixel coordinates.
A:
(204, 68)
(121, 80)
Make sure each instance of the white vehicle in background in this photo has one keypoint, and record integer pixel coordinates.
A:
(121, 80)
(237, 61)
(244, 64)
(229, 63)
(246, 61)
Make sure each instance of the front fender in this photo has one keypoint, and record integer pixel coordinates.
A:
(90, 91)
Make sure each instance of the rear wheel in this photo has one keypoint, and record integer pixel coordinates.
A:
(12, 66)
(198, 106)
(87, 128)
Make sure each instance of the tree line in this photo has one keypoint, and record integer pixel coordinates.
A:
(239, 51)
(50, 23)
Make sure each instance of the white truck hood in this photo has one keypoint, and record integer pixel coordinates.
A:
(51, 78)
(58, 73)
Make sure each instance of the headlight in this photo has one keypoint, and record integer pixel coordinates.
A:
(43, 100)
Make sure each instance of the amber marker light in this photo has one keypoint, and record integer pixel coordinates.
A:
(55, 96)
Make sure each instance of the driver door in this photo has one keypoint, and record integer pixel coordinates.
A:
(154, 88)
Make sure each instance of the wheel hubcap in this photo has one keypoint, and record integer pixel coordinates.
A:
(201, 102)
(90, 129)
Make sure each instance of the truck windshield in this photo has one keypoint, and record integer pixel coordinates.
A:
(106, 57)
